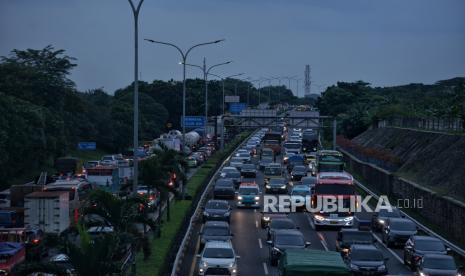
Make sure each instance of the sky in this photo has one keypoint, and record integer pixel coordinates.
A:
(383, 42)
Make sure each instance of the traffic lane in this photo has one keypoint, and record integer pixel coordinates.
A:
(302, 220)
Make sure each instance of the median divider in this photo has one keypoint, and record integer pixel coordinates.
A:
(167, 248)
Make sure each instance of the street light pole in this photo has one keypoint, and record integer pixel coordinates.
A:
(135, 12)
(184, 60)
(206, 72)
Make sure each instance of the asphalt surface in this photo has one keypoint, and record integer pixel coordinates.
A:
(249, 240)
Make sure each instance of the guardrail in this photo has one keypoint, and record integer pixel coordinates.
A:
(180, 253)
(425, 229)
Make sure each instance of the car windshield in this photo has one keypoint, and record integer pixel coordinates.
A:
(244, 155)
(277, 181)
(366, 255)
(218, 253)
(429, 245)
(282, 224)
(233, 174)
(292, 146)
(267, 153)
(248, 191)
(295, 240)
(354, 237)
(334, 189)
(236, 159)
(267, 159)
(439, 263)
(216, 231)
(403, 226)
(216, 205)
(309, 180)
(299, 169)
(272, 171)
(300, 191)
(248, 167)
(385, 213)
(271, 142)
(223, 183)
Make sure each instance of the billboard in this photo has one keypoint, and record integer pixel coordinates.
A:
(236, 108)
(193, 121)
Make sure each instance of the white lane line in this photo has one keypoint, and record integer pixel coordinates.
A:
(310, 221)
(389, 249)
(256, 224)
(265, 268)
(260, 243)
(323, 241)
(254, 210)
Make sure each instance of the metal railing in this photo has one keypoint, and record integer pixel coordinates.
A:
(434, 124)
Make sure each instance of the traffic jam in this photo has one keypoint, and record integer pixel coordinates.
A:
(242, 235)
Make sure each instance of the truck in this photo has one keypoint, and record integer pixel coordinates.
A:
(329, 161)
(307, 262)
(48, 211)
(309, 141)
(273, 140)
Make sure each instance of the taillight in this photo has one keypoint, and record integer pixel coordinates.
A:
(35, 241)
(152, 197)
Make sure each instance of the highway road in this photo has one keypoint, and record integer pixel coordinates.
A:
(250, 244)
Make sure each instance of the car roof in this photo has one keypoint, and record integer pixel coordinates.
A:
(216, 223)
(364, 247)
(425, 238)
(217, 201)
(400, 220)
(248, 185)
(332, 175)
(301, 187)
(218, 244)
(288, 232)
(438, 256)
(352, 230)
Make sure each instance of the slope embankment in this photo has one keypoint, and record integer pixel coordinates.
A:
(433, 160)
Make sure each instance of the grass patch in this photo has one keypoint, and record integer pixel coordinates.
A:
(88, 155)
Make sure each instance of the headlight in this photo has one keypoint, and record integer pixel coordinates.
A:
(283, 187)
(239, 197)
(423, 274)
(268, 186)
(381, 221)
(381, 267)
(223, 174)
(257, 198)
(266, 218)
(317, 217)
(204, 264)
(354, 267)
(275, 249)
(206, 214)
(348, 218)
(226, 214)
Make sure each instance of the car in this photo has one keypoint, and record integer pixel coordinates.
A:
(224, 188)
(304, 191)
(153, 198)
(236, 163)
(249, 171)
(279, 223)
(285, 239)
(91, 164)
(62, 261)
(366, 259)
(276, 185)
(437, 264)
(267, 152)
(308, 180)
(398, 231)
(233, 174)
(273, 170)
(244, 157)
(248, 195)
(298, 172)
(218, 258)
(294, 147)
(109, 160)
(215, 231)
(217, 210)
(192, 162)
(350, 236)
(287, 155)
(417, 246)
(378, 220)
(265, 162)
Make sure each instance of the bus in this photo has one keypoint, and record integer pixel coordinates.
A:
(339, 185)
(329, 161)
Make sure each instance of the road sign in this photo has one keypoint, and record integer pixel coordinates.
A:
(87, 146)
(236, 108)
(231, 99)
(194, 121)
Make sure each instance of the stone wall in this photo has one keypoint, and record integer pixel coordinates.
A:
(445, 212)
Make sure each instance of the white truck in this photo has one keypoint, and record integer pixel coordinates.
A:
(48, 210)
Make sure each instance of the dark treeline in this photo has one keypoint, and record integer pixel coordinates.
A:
(357, 105)
(43, 115)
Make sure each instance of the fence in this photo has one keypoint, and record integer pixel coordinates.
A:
(436, 124)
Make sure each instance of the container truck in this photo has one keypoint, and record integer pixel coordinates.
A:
(48, 211)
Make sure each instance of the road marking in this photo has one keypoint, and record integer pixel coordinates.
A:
(310, 221)
(256, 224)
(254, 210)
(389, 249)
(260, 243)
(265, 268)
(323, 241)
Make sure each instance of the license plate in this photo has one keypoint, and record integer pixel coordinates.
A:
(333, 222)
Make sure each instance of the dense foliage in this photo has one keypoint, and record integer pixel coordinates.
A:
(357, 105)
(44, 116)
